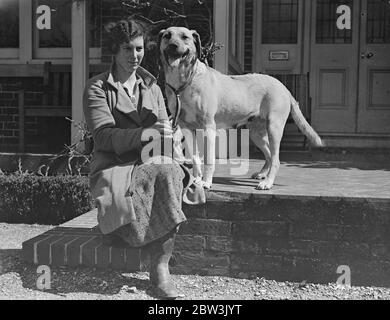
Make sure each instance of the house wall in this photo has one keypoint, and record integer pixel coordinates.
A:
(36, 128)
(26, 50)
(234, 22)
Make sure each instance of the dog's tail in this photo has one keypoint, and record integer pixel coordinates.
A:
(303, 125)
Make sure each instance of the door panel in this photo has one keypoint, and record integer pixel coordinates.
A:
(332, 88)
(279, 36)
(374, 89)
(334, 72)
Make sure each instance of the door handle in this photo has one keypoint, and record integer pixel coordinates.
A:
(368, 55)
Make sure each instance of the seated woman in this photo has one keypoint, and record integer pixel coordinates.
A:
(137, 200)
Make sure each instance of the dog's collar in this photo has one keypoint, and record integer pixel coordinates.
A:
(178, 92)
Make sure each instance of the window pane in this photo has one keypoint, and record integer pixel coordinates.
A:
(9, 24)
(280, 21)
(326, 26)
(233, 27)
(59, 36)
(378, 21)
(95, 23)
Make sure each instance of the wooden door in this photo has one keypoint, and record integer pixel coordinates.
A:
(374, 77)
(334, 67)
(278, 39)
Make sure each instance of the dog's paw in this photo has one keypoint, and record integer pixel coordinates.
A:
(206, 185)
(259, 175)
(198, 180)
(265, 185)
(202, 183)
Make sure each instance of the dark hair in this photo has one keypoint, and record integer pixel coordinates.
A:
(123, 31)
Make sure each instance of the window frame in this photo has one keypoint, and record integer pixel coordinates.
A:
(14, 53)
(296, 39)
(335, 39)
(236, 35)
(56, 53)
(29, 51)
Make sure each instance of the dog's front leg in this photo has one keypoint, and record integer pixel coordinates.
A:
(191, 151)
(197, 168)
(209, 156)
(178, 143)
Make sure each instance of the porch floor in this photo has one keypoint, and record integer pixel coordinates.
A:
(297, 179)
(313, 178)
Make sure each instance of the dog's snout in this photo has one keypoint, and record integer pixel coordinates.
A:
(172, 46)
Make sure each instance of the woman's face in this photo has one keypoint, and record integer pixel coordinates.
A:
(130, 54)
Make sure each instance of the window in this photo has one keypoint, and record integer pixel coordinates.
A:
(59, 35)
(378, 21)
(326, 22)
(234, 28)
(95, 23)
(236, 36)
(280, 21)
(56, 42)
(9, 24)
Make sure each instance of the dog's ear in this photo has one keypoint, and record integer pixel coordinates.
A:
(160, 35)
(198, 43)
(109, 26)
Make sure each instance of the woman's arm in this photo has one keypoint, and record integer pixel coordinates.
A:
(162, 110)
(102, 124)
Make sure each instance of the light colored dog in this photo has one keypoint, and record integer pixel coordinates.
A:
(210, 100)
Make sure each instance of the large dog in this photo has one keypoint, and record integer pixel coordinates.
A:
(210, 100)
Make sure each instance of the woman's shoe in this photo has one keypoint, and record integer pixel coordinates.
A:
(160, 254)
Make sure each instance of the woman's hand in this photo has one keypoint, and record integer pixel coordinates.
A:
(160, 129)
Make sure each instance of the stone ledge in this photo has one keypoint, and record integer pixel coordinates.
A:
(303, 229)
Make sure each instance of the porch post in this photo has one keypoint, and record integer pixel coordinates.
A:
(221, 34)
(80, 61)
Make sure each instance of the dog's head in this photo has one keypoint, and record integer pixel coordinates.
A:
(178, 45)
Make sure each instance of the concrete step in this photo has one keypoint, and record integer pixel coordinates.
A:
(79, 243)
(80, 248)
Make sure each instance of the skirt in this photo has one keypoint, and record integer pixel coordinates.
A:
(157, 192)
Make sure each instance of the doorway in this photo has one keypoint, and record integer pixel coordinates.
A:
(350, 68)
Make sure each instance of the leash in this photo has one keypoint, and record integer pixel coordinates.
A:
(178, 93)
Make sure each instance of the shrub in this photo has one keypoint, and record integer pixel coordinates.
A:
(30, 198)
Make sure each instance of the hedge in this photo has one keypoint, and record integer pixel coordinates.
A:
(30, 198)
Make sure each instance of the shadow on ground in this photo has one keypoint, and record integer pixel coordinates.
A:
(344, 165)
(66, 280)
(240, 182)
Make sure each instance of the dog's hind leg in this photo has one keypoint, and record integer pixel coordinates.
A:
(258, 134)
(275, 127)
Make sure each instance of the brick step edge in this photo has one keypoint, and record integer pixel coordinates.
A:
(75, 247)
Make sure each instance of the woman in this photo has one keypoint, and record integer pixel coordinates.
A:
(138, 201)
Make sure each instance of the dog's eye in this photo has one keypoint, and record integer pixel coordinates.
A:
(184, 37)
(167, 36)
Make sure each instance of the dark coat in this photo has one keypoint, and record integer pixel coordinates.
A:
(116, 127)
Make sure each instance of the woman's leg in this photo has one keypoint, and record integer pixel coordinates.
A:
(160, 253)
(156, 191)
